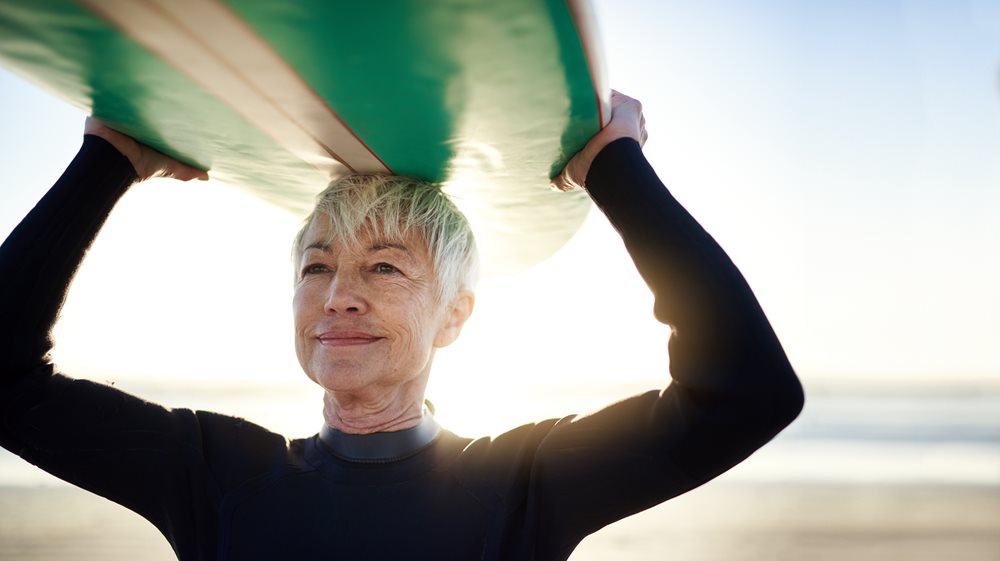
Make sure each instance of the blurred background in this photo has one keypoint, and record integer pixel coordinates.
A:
(846, 156)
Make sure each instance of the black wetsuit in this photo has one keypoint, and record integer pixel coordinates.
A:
(222, 488)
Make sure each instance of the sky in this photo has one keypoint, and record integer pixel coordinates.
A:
(844, 154)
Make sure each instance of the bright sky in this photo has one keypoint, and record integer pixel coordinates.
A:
(846, 157)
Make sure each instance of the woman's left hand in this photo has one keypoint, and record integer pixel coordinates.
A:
(626, 122)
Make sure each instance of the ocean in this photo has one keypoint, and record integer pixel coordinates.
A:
(842, 437)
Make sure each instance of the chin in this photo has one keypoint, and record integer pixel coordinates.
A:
(338, 379)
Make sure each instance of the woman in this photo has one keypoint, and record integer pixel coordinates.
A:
(385, 276)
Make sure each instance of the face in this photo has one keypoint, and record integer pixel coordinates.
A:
(369, 315)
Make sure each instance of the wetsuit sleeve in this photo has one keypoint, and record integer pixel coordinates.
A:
(732, 386)
(138, 454)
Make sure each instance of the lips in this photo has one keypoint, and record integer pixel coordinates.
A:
(347, 338)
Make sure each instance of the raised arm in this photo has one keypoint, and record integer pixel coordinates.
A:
(136, 453)
(732, 386)
(39, 258)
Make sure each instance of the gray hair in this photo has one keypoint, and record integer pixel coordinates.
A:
(392, 207)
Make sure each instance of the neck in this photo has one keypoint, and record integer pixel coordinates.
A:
(383, 410)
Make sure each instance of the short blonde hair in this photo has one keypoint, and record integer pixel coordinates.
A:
(392, 207)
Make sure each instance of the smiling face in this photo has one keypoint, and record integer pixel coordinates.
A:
(369, 315)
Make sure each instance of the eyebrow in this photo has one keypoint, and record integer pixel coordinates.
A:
(322, 246)
(380, 245)
(377, 246)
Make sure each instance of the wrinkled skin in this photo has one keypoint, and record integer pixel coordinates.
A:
(367, 323)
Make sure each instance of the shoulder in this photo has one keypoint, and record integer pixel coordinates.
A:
(238, 450)
(501, 465)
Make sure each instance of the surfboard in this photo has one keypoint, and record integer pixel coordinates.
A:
(279, 97)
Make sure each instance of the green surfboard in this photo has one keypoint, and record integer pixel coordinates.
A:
(490, 98)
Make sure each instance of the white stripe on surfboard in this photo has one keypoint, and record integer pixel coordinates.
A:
(207, 42)
(586, 29)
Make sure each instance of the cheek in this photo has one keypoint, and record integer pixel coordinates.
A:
(298, 321)
(425, 324)
(298, 306)
(302, 313)
(304, 304)
(414, 326)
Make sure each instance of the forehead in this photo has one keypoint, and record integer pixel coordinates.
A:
(371, 236)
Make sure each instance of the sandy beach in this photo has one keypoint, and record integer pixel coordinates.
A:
(724, 521)
(810, 523)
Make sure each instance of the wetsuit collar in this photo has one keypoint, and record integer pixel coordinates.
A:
(380, 447)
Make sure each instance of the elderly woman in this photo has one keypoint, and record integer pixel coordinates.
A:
(384, 277)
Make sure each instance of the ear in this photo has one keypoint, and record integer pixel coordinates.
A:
(458, 313)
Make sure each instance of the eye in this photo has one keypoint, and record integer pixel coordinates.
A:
(315, 268)
(385, 269)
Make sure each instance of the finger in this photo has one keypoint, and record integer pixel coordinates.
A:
(563, 182)
(187, 173)
(558, 184)
(196, 174)
(200, 174)
(618, 99)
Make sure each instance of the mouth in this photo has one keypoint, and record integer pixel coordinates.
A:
(347, 338)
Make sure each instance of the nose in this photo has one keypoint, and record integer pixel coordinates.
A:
(346, 294)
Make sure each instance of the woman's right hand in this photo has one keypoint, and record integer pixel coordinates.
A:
(146, 161)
